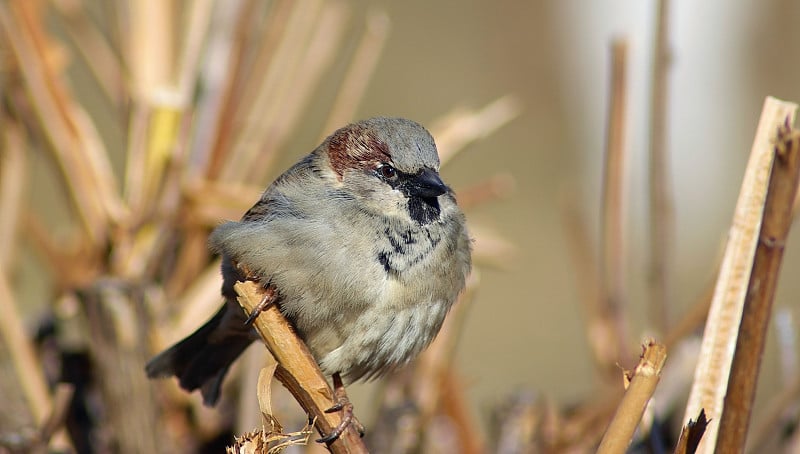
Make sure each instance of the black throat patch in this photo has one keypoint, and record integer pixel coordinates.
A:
(423, 210)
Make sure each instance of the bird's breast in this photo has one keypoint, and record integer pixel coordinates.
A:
(375, 300)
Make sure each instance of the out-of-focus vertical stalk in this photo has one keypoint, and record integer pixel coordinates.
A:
(152, 46)
(154, 113)
(612, 250)
(662, 218)
(12, 184)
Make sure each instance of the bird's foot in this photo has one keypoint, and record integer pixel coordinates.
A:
(341, 404)
(269, 298)
(270, 295)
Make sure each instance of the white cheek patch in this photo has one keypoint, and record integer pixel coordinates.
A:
(392, 202)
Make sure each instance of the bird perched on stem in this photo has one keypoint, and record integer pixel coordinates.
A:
(365, 247)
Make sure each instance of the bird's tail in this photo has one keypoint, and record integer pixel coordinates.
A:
(202, 359)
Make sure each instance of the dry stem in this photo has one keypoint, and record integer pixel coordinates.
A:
(642, 385)
(297, 370)
(757, 310)
(716, 354)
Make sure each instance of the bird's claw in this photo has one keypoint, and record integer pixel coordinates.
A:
(342, 404)
(260, 307)
(348, 419)
(338, 406)
(266, 301)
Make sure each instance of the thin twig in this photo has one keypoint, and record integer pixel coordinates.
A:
(757, 310)
(643, 383)
(462, 126)
(190, 261)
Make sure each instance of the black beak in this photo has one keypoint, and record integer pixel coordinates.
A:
(425, 184)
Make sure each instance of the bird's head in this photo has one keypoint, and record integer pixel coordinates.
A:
(390, 165)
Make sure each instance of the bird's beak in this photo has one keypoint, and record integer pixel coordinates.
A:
(426, 184)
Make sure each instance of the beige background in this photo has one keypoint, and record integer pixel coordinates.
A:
(525, 329)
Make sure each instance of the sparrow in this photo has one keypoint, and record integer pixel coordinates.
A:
(366, 248)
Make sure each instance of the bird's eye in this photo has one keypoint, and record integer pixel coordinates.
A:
(387, 172)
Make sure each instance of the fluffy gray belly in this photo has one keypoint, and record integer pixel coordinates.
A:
(384, 339)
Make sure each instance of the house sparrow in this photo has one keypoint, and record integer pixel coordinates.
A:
(365, 246)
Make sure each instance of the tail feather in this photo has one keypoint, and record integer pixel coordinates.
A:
(201, 360)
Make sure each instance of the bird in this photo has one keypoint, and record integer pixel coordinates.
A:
(366, 248)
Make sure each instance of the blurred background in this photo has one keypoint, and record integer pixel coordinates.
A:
(529, 82)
